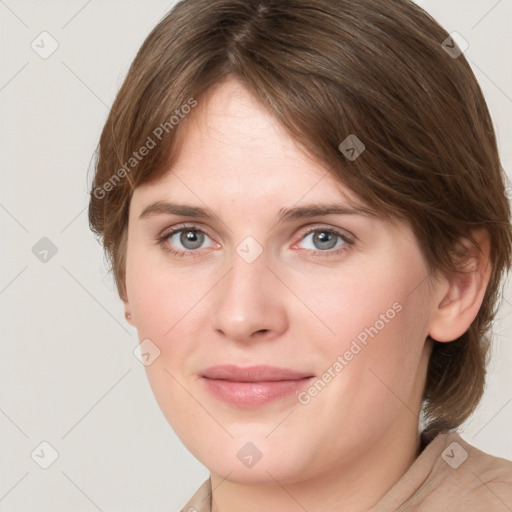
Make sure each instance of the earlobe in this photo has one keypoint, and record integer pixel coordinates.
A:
(460, 301)
(127, 313)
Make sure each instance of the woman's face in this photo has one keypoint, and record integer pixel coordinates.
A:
(336, 304)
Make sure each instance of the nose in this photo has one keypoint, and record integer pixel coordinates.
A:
(249, 302)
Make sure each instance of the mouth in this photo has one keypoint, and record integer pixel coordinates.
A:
(253, 386)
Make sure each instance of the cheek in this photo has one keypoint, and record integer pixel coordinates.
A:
(356, 306)
(379, 330)
(162, 298)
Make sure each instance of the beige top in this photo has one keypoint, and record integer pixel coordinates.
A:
(449, 475)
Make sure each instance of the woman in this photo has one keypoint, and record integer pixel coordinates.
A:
(304, 209)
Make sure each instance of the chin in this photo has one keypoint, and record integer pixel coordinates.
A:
(257, 462)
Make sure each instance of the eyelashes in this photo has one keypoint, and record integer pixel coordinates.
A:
(326, 236)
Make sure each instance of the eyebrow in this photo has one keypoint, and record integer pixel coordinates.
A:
(296, 212)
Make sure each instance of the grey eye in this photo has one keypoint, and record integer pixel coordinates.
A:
(191, 239)
(323, 240)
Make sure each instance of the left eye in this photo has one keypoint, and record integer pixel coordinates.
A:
(324, 240)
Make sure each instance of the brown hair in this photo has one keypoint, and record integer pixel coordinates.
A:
(327, 69)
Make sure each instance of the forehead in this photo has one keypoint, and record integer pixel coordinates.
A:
(234, 151)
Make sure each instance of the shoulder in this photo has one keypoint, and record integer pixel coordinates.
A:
(201, 500)
(466, 478)
(489, 478)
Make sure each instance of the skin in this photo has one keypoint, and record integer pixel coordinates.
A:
(292, 308)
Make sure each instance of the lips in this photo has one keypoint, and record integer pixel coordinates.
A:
(253, 386)
(252, 373)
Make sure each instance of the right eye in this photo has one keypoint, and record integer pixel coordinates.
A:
(190, 237)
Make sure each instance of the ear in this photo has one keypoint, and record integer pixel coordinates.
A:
(461, 294)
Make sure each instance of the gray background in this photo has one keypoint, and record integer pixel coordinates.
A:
(67, 372)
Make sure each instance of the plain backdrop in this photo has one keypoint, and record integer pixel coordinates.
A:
(68, 376)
